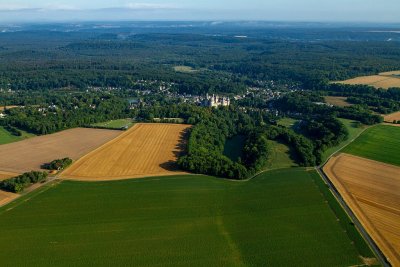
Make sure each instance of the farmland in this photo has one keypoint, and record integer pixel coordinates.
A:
(384, 80)
(31, 153)
(380, 143)
(277, 219)
(2, 108)
(338, 101)
(6, 197)
(392, 117)
(115, 124)
(372, 191)
(6, 137)
(144, 150)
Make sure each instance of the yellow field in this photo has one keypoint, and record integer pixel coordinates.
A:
(144, 150)
(8, 107)
(32, 153)
(391, 117)
(338, 101)
(6, 197)
(372, 191)
(5, 175)
(384, 80)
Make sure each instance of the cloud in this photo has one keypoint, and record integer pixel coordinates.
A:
(13, 7)
(20, 7)
(147, 6)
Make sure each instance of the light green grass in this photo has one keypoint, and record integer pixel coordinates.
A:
(279, 218)
(234, 147)
(280, 156)
(288, 122)
(6, 137)
(354, 131)
(380, 143)
(185, 69)
(115, 124)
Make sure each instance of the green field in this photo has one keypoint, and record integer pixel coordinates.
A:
(6, 137)
(185, 69)
(115, 124)
(381, 143)
(354, 131)
(280, 157)
(279, 218)
(288, 122)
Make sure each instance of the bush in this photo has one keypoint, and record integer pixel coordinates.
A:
(58, 164)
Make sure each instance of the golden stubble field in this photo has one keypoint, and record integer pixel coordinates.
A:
(30, 154)
(142, 151)
(372, 191)
(8, 107)
(391, 117)
(384, 80)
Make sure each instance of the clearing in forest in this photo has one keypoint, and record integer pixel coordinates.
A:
(372, 191)
(384, 80)
(338, 101)
(7, 107)
(31, 154)
(144, 150)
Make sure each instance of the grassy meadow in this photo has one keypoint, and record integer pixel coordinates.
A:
(280, 156)
(6, 137)
(380, 143)
(115, 124)
(279, 218)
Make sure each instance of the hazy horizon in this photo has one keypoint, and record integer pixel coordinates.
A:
(185, 10)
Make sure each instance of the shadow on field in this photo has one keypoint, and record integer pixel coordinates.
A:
(179, 150)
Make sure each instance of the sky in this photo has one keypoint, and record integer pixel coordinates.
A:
(269, 10)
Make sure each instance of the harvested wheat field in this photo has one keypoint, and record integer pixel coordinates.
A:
(6, 197)
(383, 80)
(390, 73)
(337, 101)
(5, 175)
(8, 107)
(372, 191)
(144, 150)
(392, 117)
(30, 154)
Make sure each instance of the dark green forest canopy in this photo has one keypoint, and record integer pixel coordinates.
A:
(226, 64)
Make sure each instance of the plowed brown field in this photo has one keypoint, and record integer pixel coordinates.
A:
(144, 150)
(30, 154)
(372, 191)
